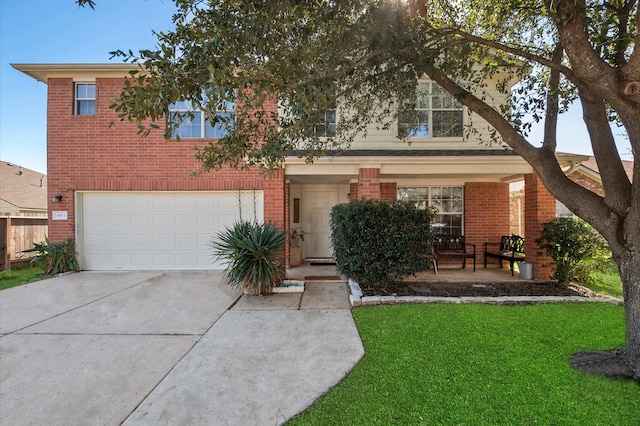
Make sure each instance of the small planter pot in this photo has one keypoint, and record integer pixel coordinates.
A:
(295, 255)
(290, 286)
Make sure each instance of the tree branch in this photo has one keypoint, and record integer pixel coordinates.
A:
(551, 119)
(580, 200)
(615, 182)
(551, 64)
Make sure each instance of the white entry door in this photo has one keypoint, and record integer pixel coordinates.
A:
(317, 206)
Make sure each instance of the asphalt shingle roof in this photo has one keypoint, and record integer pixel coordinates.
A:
(24, 188)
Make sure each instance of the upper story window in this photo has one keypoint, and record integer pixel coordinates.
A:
(85, 99)
(447, 200)
(436, 115)
(323, 124)
(199, 126)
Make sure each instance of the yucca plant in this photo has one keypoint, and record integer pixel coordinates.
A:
(55, 258)
(253, 253)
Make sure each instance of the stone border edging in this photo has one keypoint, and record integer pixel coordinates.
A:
(356, 298)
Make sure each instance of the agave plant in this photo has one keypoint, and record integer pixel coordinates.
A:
(253, 253)
(55, 258)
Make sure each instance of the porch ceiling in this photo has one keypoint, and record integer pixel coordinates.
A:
(344, 169)
(395, 165)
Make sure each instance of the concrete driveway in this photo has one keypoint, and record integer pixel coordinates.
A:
(97, 348)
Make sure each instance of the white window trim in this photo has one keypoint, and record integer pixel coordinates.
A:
(230, 108)
(430, 121)
(76, 99)
(326, 123)
(429, 199)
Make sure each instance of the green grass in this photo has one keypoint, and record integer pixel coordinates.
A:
(480, 365)
(18, 277)
(605, 280)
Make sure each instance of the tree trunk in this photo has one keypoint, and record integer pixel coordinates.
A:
(630, 275)
(624, 362)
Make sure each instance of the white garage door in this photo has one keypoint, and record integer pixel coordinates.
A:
(156, 230)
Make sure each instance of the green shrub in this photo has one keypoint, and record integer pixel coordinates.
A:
(55, 258)
(253, 253)
(575, 247)
(377, 242)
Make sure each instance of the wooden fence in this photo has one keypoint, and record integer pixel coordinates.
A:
(17, 234)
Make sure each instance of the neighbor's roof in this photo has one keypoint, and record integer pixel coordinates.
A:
(592, 165)
(23, 188)
(587, 167)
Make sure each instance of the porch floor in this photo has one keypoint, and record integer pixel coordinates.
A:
(445, 274)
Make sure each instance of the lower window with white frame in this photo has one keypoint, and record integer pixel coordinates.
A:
(447, 201)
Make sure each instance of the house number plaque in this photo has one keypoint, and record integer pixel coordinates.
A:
(59, 215)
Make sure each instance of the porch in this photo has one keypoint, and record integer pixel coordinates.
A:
(309, 272)
(469, 188)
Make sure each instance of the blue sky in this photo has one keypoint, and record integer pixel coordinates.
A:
(58, 31)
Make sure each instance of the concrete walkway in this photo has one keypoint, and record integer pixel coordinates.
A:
(168, 348)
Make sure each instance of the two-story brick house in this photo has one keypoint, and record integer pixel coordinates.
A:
(131, 203)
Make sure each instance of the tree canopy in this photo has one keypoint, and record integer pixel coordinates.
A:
(367, 56)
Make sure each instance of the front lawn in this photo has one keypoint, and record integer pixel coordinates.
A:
(480, 365)
(18, 277)
(605, 280)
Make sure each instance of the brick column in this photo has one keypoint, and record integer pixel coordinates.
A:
(388, 191)
(275, 204)
(369, 184)
(486, 214)
(540, 207)
(353, 191)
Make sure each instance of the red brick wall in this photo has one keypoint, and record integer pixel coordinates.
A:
(540, 207)
(587, 182)
(388, 191)
(99, 152)
(516, 214)
(486, 214)
(353, 191)
(369, 184)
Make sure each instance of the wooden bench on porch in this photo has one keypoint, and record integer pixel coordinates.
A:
(454, 247)
(510, 248)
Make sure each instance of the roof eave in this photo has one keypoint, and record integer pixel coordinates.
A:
(43, 72)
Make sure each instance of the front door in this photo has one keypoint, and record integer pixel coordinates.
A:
(317, 206)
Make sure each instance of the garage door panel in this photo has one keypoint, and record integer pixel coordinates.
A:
(184, 220)
(119, 241)
(227, 220)
(161, 230)
(139, 220)
(141, 241)
(160, 220)
(140, 203)
(143, 260)
(119, 220)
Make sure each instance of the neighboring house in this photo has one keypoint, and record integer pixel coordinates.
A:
(23, 211)
(585, 173)
(130, 202)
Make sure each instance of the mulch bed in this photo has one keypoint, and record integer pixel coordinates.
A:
(443, 289)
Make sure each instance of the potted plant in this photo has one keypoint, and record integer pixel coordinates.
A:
(296, 236)
(253, 255)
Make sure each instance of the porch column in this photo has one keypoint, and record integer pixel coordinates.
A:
(275, 199)
(353, 191)
(369, 183)
(539, 208)
(389, 191)
(486, 214)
